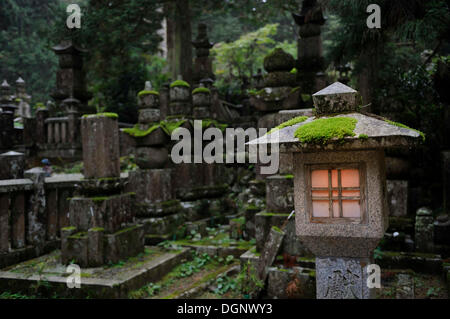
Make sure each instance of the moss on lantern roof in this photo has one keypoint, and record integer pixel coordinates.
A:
(363, 136)
(404, 126)
(147, 92)
(321, 131)
(180, 83)
(295, 120)
(104, 114)
(137, 132)
(201, 90)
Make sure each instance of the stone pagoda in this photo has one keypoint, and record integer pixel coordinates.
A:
(157, 207)
(70, 78)
(310, 64)
(340, 192)
(102, 227)
(203, 63)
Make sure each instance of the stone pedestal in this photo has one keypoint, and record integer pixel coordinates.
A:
(342, 278)
(102, 220)
(101, 152)
(424, 230)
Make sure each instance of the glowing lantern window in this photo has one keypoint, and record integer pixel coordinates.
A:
(336, 193)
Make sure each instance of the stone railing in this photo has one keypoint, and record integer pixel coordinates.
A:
(57, 130)
(58, 137)
(31, 218)
(19, 223)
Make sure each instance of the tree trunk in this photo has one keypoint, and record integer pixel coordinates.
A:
(179, 37)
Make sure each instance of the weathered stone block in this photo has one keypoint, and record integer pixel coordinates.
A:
(106, 212)
(397, 192)
(66, 249)
(424, 230)
(77, 249)
(151, 157)
(295, 283)
(101, 153)
(180, 108)
(95, 246)
(336, 98)
(12, 165)
(163, 225)
(124, 243)
(147, 116)
(342, 278)
(201, 112)
(4, 223)
(18, 221)
(280, 194)
(151, 185)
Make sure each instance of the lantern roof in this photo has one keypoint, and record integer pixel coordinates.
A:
(339, 125)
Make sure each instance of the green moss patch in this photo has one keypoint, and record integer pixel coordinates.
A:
(321, 131)
(295, 120)
(201, 90)
(278, 230)
(404, 126)
(363, 136)
(180, 83)
(208, 122)
(170, 126)
(146, 92)
(137, 132)
(105, 114)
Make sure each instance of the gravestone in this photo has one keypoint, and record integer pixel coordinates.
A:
(102, 219)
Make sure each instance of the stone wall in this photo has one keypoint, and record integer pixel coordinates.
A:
(31, 216)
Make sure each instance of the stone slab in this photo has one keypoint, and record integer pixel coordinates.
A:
(342, 278)
(102, 282)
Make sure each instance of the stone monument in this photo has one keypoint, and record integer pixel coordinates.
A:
(340, 187)
(101, 218)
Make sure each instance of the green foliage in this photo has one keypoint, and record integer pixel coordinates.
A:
(248, 281)
(121, 37)
(321, 131)
(198, 263)
(295, 120)
(9, 295)
(225, 284)
(242, 57)
(25, 45)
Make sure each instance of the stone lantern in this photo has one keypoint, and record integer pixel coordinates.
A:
(340, 187)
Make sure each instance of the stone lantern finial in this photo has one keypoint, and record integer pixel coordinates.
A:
(336, 98)
(148, 86)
